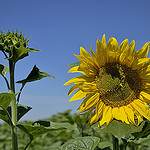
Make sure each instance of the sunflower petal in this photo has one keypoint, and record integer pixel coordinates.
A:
(143, 52)
(76, 86)
(79, 79)
(107, 116)
(90, 101)
(78, 95)
(112, 44)
(141, 107)
(75, 69)
(130, 114)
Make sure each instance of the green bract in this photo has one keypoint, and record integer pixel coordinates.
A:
(15, 44)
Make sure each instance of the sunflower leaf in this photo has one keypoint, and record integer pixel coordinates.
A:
(3, 70)
(21, 111)
(74, 64)
(118, 128)
(5, 99)
(35, 75)
(144, 132)
(85, 143)
(40, 128)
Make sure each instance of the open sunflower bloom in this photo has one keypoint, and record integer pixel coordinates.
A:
(115, 83)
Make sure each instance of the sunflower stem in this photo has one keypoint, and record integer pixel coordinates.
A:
(13, 106)
(115, 143)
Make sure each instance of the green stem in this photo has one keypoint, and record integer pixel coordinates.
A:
(20, 93)
(28, 144)
(13, 107)
(115, 143)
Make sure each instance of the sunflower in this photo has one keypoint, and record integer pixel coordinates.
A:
(115, 82)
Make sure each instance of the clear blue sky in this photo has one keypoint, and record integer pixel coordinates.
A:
(59, 28)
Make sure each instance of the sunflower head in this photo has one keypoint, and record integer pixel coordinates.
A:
(115, 82)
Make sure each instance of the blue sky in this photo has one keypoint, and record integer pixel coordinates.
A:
(59, 28)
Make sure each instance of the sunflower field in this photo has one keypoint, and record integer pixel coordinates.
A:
(79, 136)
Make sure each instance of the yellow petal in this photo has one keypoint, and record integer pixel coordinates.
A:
(78, 95)
(96, 61)
(112, 44)
(90, 101)
(107, 116)
(76, 86)
(79, 79)
(88, 87)
(123, 45)
(91, 67)
(124, 55)
(104, 41)
(116, 113)
(94, 118)
(139, 117)
(124, 117)
(146, 97)
(101, 53)
(99, 108)
(143, 52)
(75, 69)
(131, 47)
(130, 114)
(141, 107)
(87, 111)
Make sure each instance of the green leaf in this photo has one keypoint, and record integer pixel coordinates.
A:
(5, 99)
(144, 132)
(42, 123)
(118, 128)
(35, 75)
(34, 131)
(21, 111)
(4, 116)
(105, 145)
(81, 143)
(3, 70)
(74, 64)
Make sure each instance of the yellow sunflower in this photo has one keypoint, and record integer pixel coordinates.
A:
(115, 82)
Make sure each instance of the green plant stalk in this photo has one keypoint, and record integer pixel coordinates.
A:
(115, 143)
(13, 107)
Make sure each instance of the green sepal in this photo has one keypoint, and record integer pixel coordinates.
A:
(74, 64)
(34, 75)
(118, 128)
(20, 53)
(84, 143)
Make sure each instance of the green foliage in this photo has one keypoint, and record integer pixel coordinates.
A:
(69, 132)
(34, 75)
(118, 128)
(84, 143)
(3, 70)
(5, 99)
